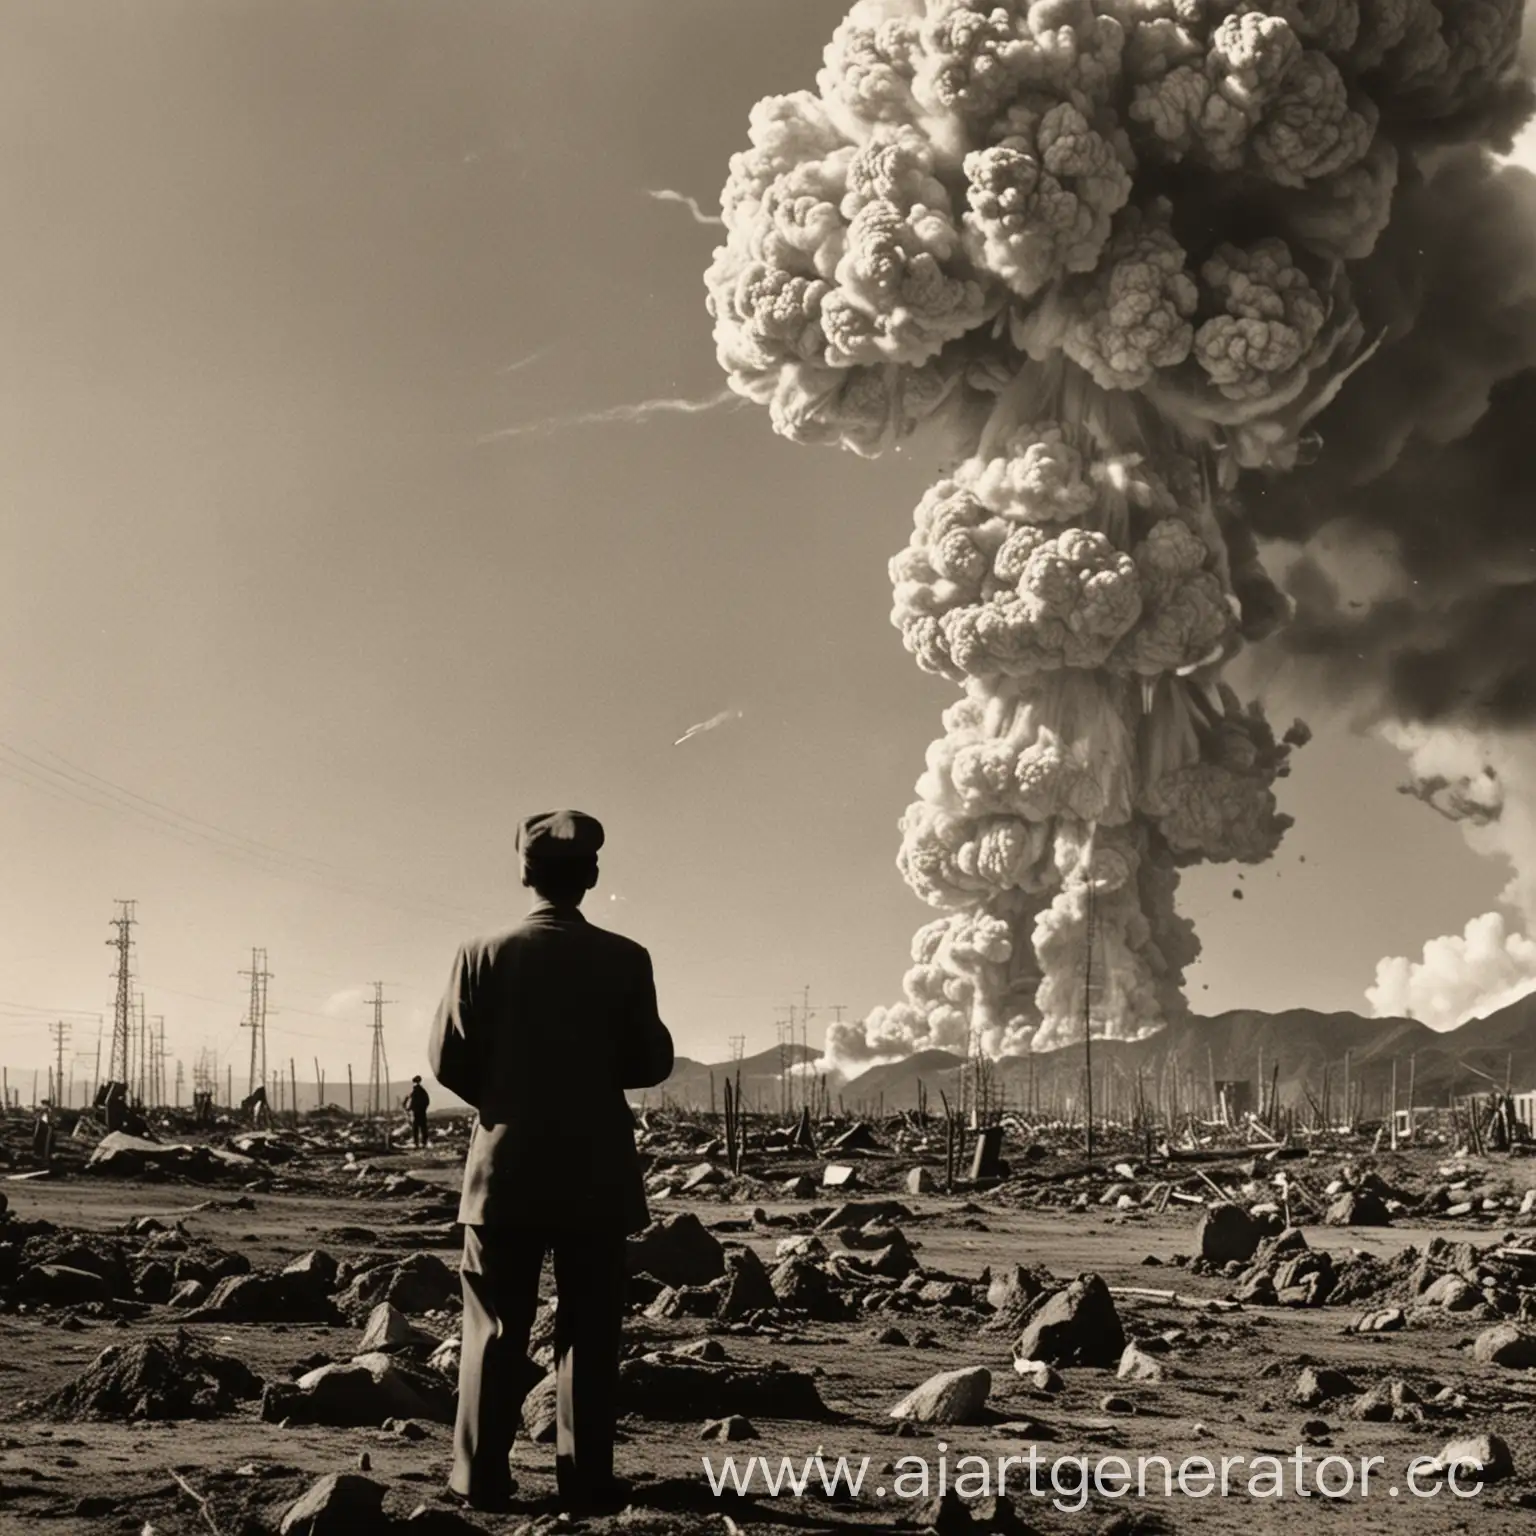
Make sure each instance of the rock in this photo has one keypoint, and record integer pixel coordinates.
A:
(839, 1176)
(389, 1328)
(919, 1181)
(1010, 1290)
(63, 1285)
(1077, 1325)
(701, 1176)
(1389, 1402)
(800, 1286)
(316, 1265)
(945, 1514)
(1317, 1384)
(188, 1295)
(1506, 1345)
(805, 1246)
(154, 1283)
(1383, 1320)
(163, 1377)
(892, 1336)
(1040, 1376)
(952, 1397)
(1358, 1208)
(340, 1504)
(677, 1250)
(1228, 1234)
(747, 1286)
(863, 1213)
(801, 1187)
(363, 1391)
(445, 1358)
(280, 1298)
(539, 1411)
(665, 1387)
(1487, 1453)
(732, 1427)
(1137, 1365)
(1452, 1293)
(405, 1429)
(435, 1520)
(711, 1350)
(1120, 1406)
(896, 1260)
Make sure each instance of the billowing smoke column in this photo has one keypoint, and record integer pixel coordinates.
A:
(1112, 252)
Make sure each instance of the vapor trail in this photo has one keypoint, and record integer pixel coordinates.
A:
(523, 362)
(713, 723)
(666, 195)
(636, 412)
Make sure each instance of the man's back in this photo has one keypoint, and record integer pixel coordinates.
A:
(542, 1029)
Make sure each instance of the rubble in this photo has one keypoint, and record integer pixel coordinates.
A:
(666, 1387)
(364, 1390)
(167, 1376)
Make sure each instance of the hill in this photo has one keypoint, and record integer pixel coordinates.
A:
(1296, 1048)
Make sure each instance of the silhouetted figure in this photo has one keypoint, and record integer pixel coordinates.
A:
(255, 1104)
(416, 1101)
(542, 1029)
(42, 1136)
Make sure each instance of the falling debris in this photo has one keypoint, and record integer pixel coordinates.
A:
(636, 413)
(712, 724)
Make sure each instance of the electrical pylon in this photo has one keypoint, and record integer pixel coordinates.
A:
(378, 1068)
(60, 1033)
(118, 1064)
(255, 1019)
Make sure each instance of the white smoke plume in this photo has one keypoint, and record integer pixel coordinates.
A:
(666, 195)
(1460, 976)
(634, 413)
(1486, 782)
(712, 724)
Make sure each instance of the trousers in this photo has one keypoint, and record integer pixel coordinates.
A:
(418, 1130)
(500, 1277)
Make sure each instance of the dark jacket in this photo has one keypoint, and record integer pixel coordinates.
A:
(542, 1029)
(417, 1100)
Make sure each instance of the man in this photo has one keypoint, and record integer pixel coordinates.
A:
(542, 1029)
(416, 1101)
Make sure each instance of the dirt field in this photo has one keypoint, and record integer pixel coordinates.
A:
(1230, 1392)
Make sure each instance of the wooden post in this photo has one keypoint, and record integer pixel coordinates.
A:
(350, 1109)
(293, 1082)
(1394, 1104)
(1349, 1116)
(1413, 1061)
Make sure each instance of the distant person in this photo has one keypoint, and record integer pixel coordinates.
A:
(542, 1029)
(416, 1101)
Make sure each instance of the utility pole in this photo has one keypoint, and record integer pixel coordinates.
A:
(180, 1079)
(1088, 1023)
(157, 1076)
(378, 1067)
(141, 1054)
(255, 1018)
(60, 1033)
(118, 1060)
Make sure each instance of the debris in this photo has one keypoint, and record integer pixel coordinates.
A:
(167, 1376)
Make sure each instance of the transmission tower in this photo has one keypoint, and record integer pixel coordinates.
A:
(118, 1063)
(180, 1081)
(157, 1083)
(378, 1067)
(60, 1033)
(255, 1019)
(738, 1047)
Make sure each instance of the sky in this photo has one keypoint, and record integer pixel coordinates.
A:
(313, 580)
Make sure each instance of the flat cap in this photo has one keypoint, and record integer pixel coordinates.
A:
(559, 835)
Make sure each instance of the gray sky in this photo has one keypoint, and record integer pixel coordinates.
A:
(270, 275)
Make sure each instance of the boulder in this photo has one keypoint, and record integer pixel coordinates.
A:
(1389, 1402)
(863, 1213)
(1137, 1365)
(1487, 1454)
(701, 1176)
(1228, 1234)
(279, 1298)
(1381, 1320)
(801, 1187)
(340, 1504)
(1507, 1345)
(363, 1391)
(919, 1181)
(732, 1427)
(389, 1328)
(166, 1376)
(677, 1250)
(803, 1246)
(1318, 1384)
(539, 1410)
(1358, 1208)
(1077, 1325)
(1452, 1293)
(952, 1397)
(747, 1286)
(839, 1176)
(800, 1286)
(316, 1265)
(445, 1358)
(154, 1282)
